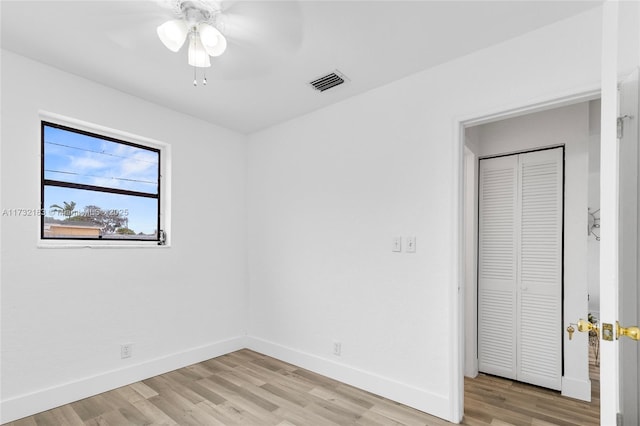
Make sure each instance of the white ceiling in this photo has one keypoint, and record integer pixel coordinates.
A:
(275, 48)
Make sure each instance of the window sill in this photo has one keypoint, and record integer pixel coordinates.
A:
(66, 244)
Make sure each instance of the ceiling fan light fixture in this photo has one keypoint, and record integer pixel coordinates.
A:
(199, 20)
(198, 56)
(173, 33)
(213, 41)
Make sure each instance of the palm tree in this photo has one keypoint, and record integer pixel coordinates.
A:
(66, 210)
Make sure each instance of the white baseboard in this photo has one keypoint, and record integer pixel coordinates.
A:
(403, 393)
(575, 388)
(45, 399)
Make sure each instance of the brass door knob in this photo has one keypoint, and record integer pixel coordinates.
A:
(630, 332)
(584, 325)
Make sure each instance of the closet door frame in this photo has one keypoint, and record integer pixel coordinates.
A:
(555, 331)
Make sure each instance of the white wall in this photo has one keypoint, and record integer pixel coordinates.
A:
(628, 38)
(568, 126)
(65, 312)
(329, 190)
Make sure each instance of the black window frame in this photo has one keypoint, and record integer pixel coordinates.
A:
(159, 237)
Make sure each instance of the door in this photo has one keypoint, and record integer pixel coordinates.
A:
(520, 267)
(620, 256)
(628, 247)
(539, 335)
(497, 281)
(619, 366)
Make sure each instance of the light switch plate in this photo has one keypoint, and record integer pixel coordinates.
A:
(411, 244)
(397, 244)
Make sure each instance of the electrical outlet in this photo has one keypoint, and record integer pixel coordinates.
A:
(337, 348)
(126, 350)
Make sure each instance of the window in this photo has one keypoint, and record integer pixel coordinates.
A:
(97, 187)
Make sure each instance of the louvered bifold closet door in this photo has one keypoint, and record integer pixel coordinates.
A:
(497, 266)
(539, 359)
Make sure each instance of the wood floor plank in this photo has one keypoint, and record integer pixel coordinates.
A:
(175, 414)
(238, 415)
(91, 408)
(228, 361)
(314, 379)
(67, 416)
(286, 394)
(249, 388)
(154, 414)
(242, 392)
(128, 394)
(251, 375)
(354, 395)
(332, 413)
(133, 415)
(294, 382)
(200, 370)
(219, 413)
(400, 416)
(183, 384)
(145, 391)
(181, 415)
(115, 418)
(97, 421)
(279, 401)
(27, 421)
(243, 401)
(216, 366)
(343, 403)
(116, 401)
(241, 373)
(167, 385)
(369, 418)
(303, 417)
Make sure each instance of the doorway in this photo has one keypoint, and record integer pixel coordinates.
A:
(520, 258)
(574, 125)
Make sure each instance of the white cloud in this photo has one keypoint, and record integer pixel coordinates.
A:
(141, 163)
(86, 163)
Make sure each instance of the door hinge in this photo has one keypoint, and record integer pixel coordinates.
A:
(620, 125)
(619, 419)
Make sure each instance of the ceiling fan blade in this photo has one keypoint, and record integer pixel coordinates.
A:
(132, 38)
(240, 62)
(273, 25)
(126, 12)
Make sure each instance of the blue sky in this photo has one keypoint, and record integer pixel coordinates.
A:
(78, 158)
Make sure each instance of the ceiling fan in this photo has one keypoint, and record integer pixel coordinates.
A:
(256, 31)
(198, 21)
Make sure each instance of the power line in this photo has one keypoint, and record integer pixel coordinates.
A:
(102, 152)
(102, 177)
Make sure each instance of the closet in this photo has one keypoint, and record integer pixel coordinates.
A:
(520, 259)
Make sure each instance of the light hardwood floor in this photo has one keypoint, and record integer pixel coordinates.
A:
(248, 388)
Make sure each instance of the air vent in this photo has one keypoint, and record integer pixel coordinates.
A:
(328, 81)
